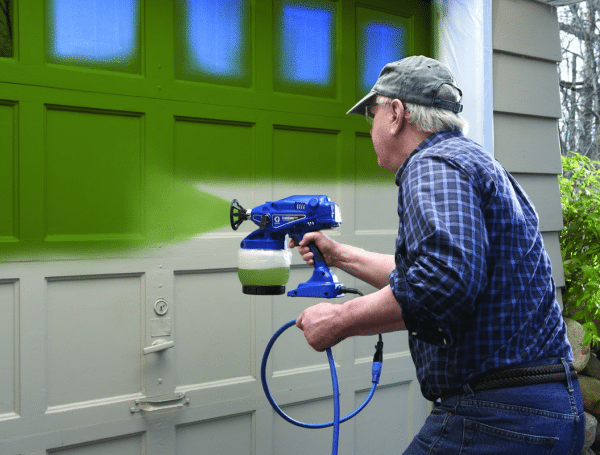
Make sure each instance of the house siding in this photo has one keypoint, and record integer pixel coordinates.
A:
(526, 50)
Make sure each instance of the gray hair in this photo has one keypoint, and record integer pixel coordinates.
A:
(433, 119)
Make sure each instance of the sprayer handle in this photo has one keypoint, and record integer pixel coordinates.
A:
(319, 258)
(323, 282)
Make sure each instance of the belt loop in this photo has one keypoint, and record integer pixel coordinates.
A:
(570, 387)
(568, 373)
(468, 391)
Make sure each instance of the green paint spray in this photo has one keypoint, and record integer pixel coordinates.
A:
(165, 211)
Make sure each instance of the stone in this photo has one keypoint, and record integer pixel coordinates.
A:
(581, 350)
(590, 390)
(593, 367)
(591, 425)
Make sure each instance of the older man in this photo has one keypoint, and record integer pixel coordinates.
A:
(470, 280)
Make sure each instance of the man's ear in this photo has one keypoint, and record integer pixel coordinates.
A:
(397, 116)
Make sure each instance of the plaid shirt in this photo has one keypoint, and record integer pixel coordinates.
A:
(472, 275)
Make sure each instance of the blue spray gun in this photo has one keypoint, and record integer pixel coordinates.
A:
(264, 269)
(264, 261)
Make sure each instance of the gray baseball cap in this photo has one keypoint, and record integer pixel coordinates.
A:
(417, 80)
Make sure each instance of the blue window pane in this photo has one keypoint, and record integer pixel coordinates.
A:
(103, 31)
(383, 44)
(214, 35)
(307, 44)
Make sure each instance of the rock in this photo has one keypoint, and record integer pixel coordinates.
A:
(591, 425)
(593, 367)
(590, 390)
(581, 351)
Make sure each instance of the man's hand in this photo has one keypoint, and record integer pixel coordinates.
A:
(324, 243)
(321, 325)
(326, 324)
(372, 268)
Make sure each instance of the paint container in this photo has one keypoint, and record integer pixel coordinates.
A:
(264, 272)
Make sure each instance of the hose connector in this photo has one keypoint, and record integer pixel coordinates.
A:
(377, 361)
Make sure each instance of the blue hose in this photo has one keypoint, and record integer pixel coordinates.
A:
(336, 393)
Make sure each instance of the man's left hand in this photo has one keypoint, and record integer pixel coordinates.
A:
(321, 325)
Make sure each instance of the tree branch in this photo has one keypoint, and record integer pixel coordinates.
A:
(577, 85)
(577, 31)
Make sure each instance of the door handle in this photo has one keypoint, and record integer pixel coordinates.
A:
(158, 346)
(160, 403)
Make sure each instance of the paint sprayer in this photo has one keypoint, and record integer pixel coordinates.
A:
(264, 260)
(264, 268)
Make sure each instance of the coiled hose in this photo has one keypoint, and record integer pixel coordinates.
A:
(376, 373)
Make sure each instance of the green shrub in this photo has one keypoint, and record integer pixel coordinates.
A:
(580, 241)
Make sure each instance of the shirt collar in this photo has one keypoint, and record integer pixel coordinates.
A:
(429, 141)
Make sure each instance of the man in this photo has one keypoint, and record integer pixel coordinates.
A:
(470, 280)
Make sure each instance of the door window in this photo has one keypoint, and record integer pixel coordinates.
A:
(381, 38)
(6, 29)
(214, 42)
(95, 33)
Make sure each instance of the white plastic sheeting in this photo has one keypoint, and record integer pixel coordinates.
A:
(463, 42)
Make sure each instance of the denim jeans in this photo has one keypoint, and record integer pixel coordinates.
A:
(541, 419)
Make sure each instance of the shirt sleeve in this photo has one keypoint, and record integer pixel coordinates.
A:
(441, 248)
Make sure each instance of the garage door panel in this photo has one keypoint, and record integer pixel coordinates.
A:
(94, 338)
(8, 172)
(214, 333)
(292, 340)
(94, 180)
(212, 150)
(376, 197)
(229, 435)
(9, 349)
(293, 440)
(373, 434)
(120, 445)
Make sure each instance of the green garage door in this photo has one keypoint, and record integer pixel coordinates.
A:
(126, 128)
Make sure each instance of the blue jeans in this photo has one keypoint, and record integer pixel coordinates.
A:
(541, 419)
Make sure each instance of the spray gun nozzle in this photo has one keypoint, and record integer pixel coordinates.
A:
(237, 214)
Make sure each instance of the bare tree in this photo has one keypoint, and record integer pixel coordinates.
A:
(579, 78)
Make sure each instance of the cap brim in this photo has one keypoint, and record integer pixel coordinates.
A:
(359, 108)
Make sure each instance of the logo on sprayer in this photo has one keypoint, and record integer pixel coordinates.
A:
(280, 220)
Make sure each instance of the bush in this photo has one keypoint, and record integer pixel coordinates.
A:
(580, 241)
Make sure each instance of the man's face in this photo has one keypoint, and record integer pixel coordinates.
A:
(380, 134)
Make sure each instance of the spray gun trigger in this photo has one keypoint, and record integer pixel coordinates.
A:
(264, 221)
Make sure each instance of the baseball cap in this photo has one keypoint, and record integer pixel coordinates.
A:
(415, 79)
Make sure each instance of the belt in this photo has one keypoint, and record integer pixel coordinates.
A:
(517, 377)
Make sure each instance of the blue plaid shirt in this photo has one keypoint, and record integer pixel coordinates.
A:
(472, 275)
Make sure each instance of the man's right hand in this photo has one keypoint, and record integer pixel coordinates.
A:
(372, 268)
(323, 242)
